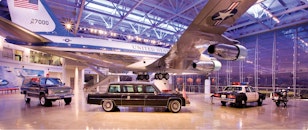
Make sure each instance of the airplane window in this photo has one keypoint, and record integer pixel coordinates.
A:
(114, 89)
(149, 89)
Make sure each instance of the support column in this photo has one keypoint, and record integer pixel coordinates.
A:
(274, 63)
(81, 78)
(76, 80)
(228, 73)
(256, 63)
(64, 73)
(241, 70)
(207, 86)
(295, 60)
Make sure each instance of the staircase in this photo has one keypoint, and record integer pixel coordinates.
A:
(102, 85)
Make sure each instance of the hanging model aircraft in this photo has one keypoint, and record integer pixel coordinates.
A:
(34, 26)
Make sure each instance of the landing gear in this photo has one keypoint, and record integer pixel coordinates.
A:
(143, 77)
(160, 76)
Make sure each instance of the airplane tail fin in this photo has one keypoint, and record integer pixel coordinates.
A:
(36, 16)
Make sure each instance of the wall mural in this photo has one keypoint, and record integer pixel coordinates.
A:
(13, 77)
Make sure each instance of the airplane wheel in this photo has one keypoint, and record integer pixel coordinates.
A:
(146, 77)
(166, 76)
(160, 76)
(140, 77)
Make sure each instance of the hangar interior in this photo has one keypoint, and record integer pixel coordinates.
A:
(273, 31)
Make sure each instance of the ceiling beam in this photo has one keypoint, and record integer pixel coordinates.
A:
(117, 17)
(166, 10)
(275, 28)
(277, 15)
(175, 15)
(79, 16)
(127, 13)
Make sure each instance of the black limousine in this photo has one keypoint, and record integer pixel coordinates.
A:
(136, 94)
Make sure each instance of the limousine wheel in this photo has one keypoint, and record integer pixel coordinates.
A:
(108, 105)
(174, 106)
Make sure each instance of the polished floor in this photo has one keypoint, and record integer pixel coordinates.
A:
(201, 114)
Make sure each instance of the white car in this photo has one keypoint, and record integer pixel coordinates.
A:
(239, 95)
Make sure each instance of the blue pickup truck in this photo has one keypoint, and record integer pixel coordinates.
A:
(46, 89)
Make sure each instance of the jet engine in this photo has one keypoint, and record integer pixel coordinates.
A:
(228, 52)
(207, 66)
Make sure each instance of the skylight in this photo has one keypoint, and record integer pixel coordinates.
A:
(135, 15)
(258, 11)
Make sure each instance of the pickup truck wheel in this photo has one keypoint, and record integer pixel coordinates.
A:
(223, 103)
(44, 101)
(260, 102)
(27, 99)
(67, 101)
(108, 105)
(174, 106)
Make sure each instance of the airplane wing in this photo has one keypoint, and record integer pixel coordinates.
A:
(206, 29)
(12, 31)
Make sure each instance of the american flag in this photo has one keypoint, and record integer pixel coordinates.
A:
(29, 4)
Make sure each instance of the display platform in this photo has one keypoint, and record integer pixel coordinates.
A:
(201, 114)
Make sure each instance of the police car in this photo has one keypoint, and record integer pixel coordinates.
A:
(238, 94)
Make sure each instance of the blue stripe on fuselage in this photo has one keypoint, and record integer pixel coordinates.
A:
(78, 46)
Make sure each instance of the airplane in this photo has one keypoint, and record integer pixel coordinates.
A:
(35, 26)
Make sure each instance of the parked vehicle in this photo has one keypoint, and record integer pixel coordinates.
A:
(136, 94)
(3, 82)
(280, 96)
(304, 94)
(46, 89)
(238, 94)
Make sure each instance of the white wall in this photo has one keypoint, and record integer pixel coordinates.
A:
(11, 69)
